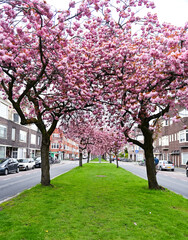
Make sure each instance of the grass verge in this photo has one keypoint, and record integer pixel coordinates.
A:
(95, 202)
(97, 160)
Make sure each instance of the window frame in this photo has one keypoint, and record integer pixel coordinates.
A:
(4, 129)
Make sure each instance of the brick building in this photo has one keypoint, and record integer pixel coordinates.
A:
(136, 153)
(172, 141)
(16, 140)
(62, 147)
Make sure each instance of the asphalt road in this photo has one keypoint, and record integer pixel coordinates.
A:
(175, 181)
(14, 183)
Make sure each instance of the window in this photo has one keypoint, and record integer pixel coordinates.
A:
(2, 152)
(38, 140)
(56, 135)
(165, 141)
(33, 139)
(183, 136)
(174, 136)
(3, 131)
(55, 145)
(15, 117)
(14, 152)
(23, 136)
(165, 122)
(4, 110)
(184, 157)
(13, 134)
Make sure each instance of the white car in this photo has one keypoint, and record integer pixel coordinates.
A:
(26, 163)
(165, 165)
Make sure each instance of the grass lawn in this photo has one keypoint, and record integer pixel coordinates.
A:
(97, 160)
(95, 202)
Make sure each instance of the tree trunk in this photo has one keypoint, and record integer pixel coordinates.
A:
(45, 166)
(80, 158)
(150, 168)
(88, 156)
(150, 165)
(110, 158)
(117, 164)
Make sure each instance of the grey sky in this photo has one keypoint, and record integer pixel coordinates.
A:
(172, 11)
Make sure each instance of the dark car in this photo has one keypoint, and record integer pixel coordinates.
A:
(8, 165)
(37, 162)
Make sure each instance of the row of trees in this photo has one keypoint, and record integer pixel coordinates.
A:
(56, 64)
(96, 140)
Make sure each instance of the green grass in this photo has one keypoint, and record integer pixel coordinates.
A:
(95, 202)
(97, 160)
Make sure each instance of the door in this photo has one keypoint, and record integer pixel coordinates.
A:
(10, 165)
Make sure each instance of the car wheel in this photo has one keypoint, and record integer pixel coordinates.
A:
(6, 171)
(26, 168)
(17, 170)
(187, 173)
(172, 170)
(39, 165)
(33, 167)
(160, 168)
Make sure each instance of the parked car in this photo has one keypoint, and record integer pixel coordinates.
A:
(8, 165)
(124, 159)
(165, 165)
(75, 159)
(26, 163)
(51, 161)
(37, 162)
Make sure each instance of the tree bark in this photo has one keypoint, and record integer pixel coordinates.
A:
(150, 165)
(150, 168)
(88, 156)
(45, 166)
(110, 158)
(147, 146)
(117, 163)
(80, 158)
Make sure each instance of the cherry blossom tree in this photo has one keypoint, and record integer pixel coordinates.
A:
(83, 134)
(35, 56)
(85, 129)
(52, 67)
(138, 77)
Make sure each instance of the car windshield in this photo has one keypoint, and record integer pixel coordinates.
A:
(22, 160)
(169, 162)
(165, 162)
(2, 160)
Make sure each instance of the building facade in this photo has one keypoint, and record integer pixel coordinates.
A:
(172, 141)
(136, 153)
(61, 147)
(16, 140)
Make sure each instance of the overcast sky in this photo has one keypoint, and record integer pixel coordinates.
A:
(172, 11)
